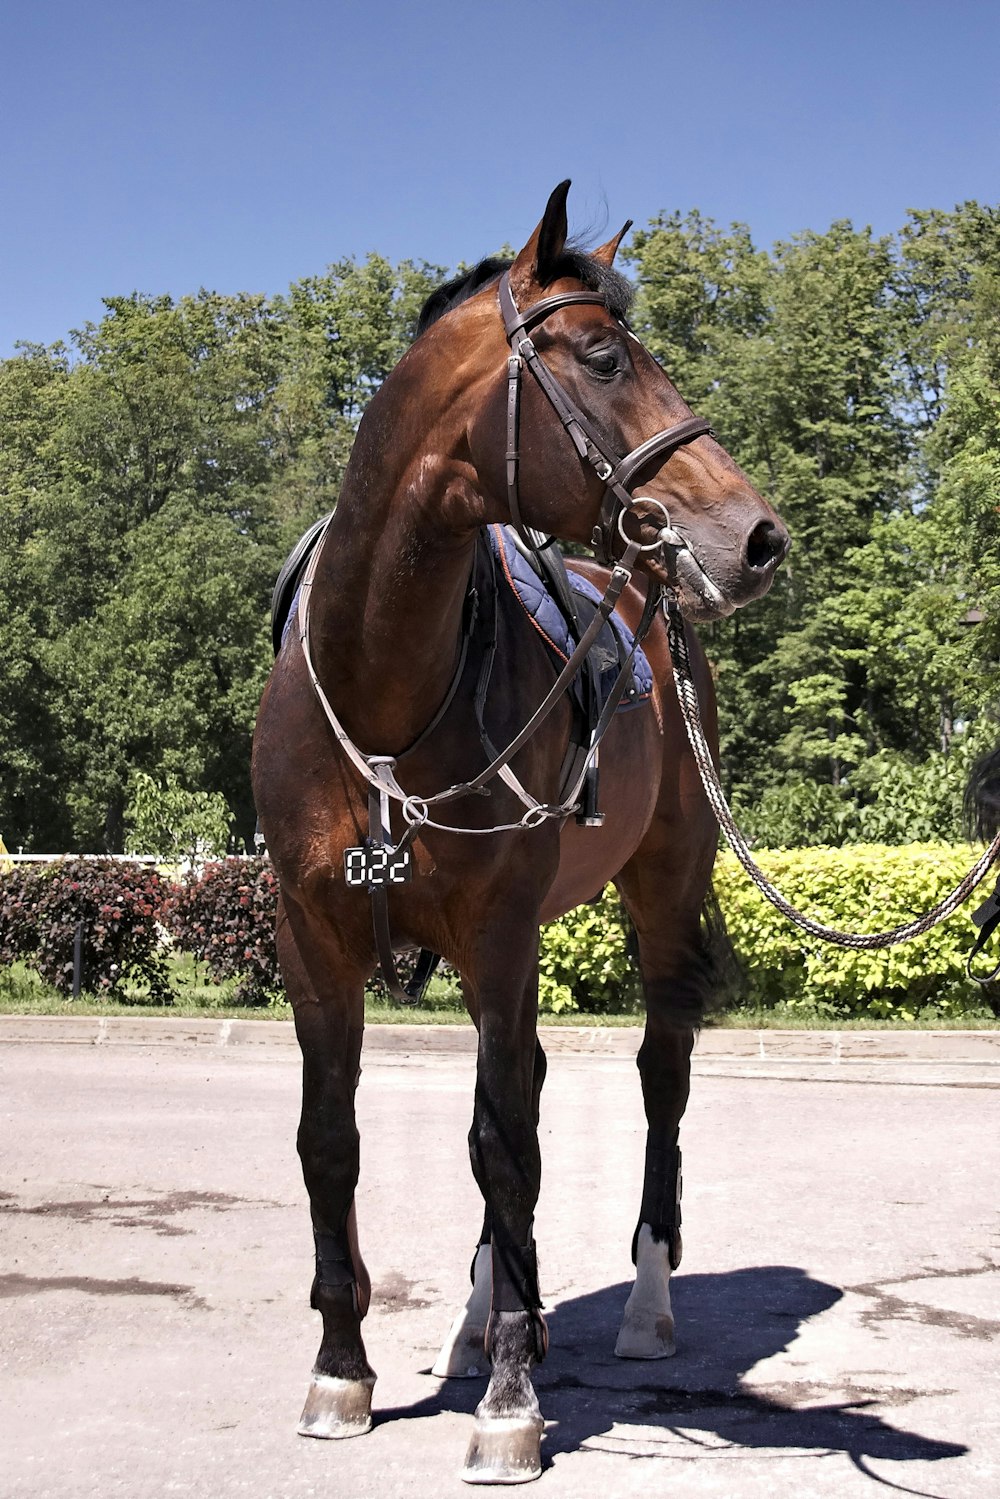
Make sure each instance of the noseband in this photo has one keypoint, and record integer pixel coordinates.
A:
(613, 471)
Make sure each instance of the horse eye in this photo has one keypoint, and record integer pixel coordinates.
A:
(603, 362)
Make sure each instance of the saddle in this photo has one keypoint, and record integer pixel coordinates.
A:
(561, 604)
(289, 579)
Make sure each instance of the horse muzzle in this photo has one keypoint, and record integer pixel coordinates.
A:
(707, 592)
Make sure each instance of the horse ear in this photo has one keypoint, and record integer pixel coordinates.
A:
(606, 253)
(535, 265)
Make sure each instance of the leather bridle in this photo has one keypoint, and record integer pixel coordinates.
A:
(613, 471)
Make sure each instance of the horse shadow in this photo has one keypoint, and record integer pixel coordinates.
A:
(728, 1323)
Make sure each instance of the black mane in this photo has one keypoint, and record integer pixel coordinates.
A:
(615, 288)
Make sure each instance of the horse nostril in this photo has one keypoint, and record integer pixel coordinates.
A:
(766, 545)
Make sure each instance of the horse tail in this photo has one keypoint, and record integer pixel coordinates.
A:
(982, 796)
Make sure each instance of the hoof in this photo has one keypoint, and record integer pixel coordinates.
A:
(504, 1451)
(463, 1355)
(642, 1336)
(647, 1329)
(337, 1408)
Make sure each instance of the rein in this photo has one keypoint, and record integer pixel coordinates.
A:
(987, 918)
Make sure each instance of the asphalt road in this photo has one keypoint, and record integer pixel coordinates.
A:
(838, 1306)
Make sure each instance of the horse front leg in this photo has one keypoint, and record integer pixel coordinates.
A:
(463, 1353)
(329, 1024)
(505, 1446)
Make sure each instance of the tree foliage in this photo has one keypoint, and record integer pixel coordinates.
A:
(855, 379)
(153, 474)
(156, 467)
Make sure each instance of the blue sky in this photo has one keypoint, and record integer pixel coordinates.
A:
(238, 144)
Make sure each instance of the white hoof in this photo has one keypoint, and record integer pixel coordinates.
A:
(337, 1408)
(463, 1355)
(647, 1329)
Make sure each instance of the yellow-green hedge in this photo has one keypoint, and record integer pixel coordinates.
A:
(860, 887)
(857, 888)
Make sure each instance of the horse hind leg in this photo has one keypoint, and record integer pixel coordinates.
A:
(463, 1352)
(664, 1062)
(647, 1329)
(679, 960)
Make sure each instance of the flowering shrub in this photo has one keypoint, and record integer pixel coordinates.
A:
(225, 918)
(117, 905)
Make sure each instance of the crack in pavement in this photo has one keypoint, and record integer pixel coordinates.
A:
(891, 1307)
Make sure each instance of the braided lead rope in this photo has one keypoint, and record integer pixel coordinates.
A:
(688, 697)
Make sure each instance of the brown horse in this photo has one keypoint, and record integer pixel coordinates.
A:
(385, 663)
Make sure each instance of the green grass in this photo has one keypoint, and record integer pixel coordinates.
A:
(22, 992)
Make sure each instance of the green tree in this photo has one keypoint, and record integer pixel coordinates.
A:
(167, 673)
(340, 334)
(164, 819)
(32, 767)
(152, 477)
(791, 356)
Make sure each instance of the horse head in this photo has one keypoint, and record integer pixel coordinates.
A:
(655, 474)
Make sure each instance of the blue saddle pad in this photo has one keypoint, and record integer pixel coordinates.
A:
(548, 620)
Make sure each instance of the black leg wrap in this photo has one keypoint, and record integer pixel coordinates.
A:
(334, 1266)
(661, 1198)
(515, 1277)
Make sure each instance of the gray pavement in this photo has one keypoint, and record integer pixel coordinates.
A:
(838, 1306)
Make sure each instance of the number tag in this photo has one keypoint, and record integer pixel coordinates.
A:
(376, 866)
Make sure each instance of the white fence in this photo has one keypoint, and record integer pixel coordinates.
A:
(54, 858)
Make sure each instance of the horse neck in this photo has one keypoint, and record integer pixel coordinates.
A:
(386, 608)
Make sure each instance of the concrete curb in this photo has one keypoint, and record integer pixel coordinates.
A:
(822, 1048)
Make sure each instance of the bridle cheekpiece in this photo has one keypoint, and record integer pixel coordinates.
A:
(614, 472)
